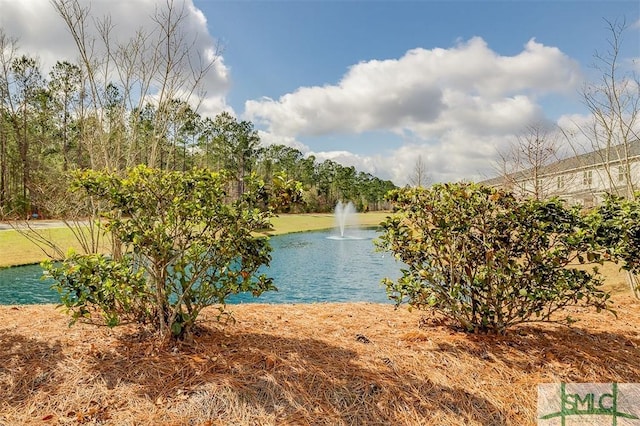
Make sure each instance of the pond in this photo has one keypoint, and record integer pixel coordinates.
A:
(307, 267)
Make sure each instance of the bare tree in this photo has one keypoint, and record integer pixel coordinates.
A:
(614, 102)
(158, 65)
(419, 176)
(7, 54)
(522, 164)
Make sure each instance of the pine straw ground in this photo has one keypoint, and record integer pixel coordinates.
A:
(320, 364)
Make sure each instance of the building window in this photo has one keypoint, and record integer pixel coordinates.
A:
(621, 174)
(561, 182)
(587, 177)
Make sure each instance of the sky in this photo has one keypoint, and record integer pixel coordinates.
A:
(380, 84)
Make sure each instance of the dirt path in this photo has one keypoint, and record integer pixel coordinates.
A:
(34, 224)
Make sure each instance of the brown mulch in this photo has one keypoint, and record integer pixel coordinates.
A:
(316, 364)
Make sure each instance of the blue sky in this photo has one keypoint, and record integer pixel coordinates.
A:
(275, 47)
(378, 84)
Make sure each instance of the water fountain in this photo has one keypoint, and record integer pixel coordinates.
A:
(345, 215)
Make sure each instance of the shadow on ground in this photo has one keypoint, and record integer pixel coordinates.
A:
(27, 365)
(289, 380)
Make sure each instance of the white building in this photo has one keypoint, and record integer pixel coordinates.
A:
(582, 179)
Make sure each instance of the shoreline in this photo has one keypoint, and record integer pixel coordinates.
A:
(23, 286)
(17, 250)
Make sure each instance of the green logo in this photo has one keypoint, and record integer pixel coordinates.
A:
(586, 400)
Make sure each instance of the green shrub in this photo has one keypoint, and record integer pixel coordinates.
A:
(616, 226)
(182, 245)
(487, 260)
(98, 281)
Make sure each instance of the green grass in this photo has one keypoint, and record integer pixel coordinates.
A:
(289, 223)
(16, 249)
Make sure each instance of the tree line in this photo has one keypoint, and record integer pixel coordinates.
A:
(45, 132)
(134, 105)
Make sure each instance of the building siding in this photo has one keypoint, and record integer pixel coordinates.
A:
(582, 179)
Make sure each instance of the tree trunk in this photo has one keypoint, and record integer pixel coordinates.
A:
(3, 163)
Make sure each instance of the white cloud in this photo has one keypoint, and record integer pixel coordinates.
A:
(41, 31)
(456, 107)
(426, 92)
(362, 163)
(451, 159)
(576, 128)
(580, 137)
(267, 139)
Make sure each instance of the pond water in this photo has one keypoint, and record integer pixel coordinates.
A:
(307, 267)
(22, 286)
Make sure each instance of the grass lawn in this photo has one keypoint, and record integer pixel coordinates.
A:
(288, 223)
(17, 249)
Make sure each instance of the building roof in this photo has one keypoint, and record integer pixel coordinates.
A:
(612, 155)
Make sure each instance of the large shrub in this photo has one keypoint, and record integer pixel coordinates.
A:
(486, 259)
(182, 245)
(616, 226)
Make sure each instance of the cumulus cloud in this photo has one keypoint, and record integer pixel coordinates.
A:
(453, 158)
(267, 139)
(426, 92)
(580, 137)
(42, 32)
(456, 106)
(362, 163)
